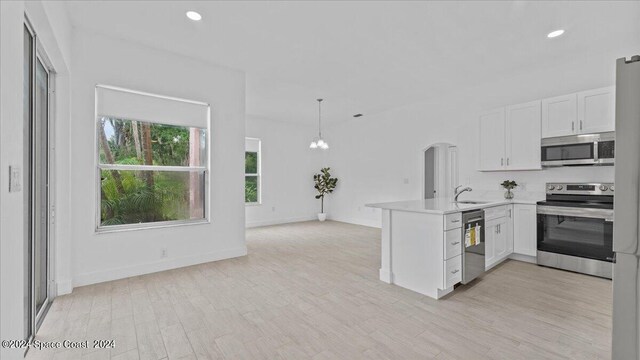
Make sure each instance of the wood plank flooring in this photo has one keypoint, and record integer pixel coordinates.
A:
(311, 291)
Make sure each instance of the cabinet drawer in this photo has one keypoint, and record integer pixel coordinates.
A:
(452, 221)
(453, 243)
(452, 271)
(495, 212)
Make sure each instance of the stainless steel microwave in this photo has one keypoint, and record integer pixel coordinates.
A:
(579, 150)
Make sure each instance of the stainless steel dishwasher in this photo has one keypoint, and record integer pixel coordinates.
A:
(472, 254)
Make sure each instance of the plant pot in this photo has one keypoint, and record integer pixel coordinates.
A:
(322, 216)
(508, 195)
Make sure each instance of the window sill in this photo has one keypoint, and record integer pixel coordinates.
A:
(149, 226)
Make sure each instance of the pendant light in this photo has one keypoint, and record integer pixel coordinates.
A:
(319, 142)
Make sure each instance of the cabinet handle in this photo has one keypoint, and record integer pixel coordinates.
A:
(580, 124)
(455, 271)
(573, 126)
(455, 243)
(501, 161)
(507, 161)
(455, 220)
(509, 213)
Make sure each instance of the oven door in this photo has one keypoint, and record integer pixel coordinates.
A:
(581, 232)
(569, 154)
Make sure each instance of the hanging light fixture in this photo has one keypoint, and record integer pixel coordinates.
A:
(319, 142)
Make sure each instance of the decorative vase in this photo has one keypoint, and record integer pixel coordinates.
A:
(322, 216)
(508, 195)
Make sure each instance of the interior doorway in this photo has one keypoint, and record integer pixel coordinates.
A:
(37, 195)
(440, 170)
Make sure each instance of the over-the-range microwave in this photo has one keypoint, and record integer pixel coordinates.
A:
(579, 150)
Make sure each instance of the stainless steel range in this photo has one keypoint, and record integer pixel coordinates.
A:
(575, 228)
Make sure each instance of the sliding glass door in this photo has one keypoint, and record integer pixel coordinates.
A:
(36, 189)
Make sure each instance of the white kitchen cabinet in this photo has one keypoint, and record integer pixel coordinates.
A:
(596, 110)
(523, 136)
(510, 229)
(585, 112)
(496, 244)
(524, 229)
(510, 138)
(559, 115)
(492, 140)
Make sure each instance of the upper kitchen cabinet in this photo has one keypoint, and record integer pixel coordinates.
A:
(523, 136)
(510, 138)
(492, 140)
(559, 115)
(585, 112)
(596, 110)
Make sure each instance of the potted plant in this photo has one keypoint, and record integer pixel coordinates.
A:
(509, 185)
(324, 184)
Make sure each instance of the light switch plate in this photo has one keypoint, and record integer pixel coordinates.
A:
(15, 179)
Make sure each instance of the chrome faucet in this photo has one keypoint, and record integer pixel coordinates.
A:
(455, 198)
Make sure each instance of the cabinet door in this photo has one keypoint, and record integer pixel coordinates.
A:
(490, 235)
(596, 110)
(523, 136)
(524, 230)
(510, 230)
(500, 247)
(559, 116)
(492, 141)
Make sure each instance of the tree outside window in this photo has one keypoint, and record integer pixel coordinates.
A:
(252, 171)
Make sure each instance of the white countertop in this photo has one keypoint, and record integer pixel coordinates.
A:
(447, 205)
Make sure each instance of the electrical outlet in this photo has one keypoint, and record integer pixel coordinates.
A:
(164, 253)
(15, 176)
(406, 180)
(273, 208)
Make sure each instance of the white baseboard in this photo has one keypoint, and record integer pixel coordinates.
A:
(168, 264)
(386, 276)
(64, 287)
(253, 224)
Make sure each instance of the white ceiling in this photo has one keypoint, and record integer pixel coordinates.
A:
(365, 57)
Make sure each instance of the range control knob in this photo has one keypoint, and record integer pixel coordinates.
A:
(559, 187)
(603, 187)
(611, 188)
(551, 187)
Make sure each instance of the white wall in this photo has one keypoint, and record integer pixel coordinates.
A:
(288, 166)
(99, 257)
(49, 22)
(374, 154)
(11, 206)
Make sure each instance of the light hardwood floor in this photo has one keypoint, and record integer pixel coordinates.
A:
(311, 291)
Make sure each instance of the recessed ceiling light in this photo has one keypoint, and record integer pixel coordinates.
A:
(555, 33)
(194, 16)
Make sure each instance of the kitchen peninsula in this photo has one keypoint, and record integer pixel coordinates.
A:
(422, 240)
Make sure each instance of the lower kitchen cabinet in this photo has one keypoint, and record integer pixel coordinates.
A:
(524, 229)
(496, 241)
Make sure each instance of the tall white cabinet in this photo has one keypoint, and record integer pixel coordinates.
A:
(584, 112)
(492, 140)
(510, 138)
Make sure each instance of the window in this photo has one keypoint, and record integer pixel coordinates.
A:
(252, 169)
(150, 172)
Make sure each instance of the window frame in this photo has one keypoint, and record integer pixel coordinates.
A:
(258, 174)
(206, 219)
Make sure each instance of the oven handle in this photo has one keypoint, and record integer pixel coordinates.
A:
(606, 214)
